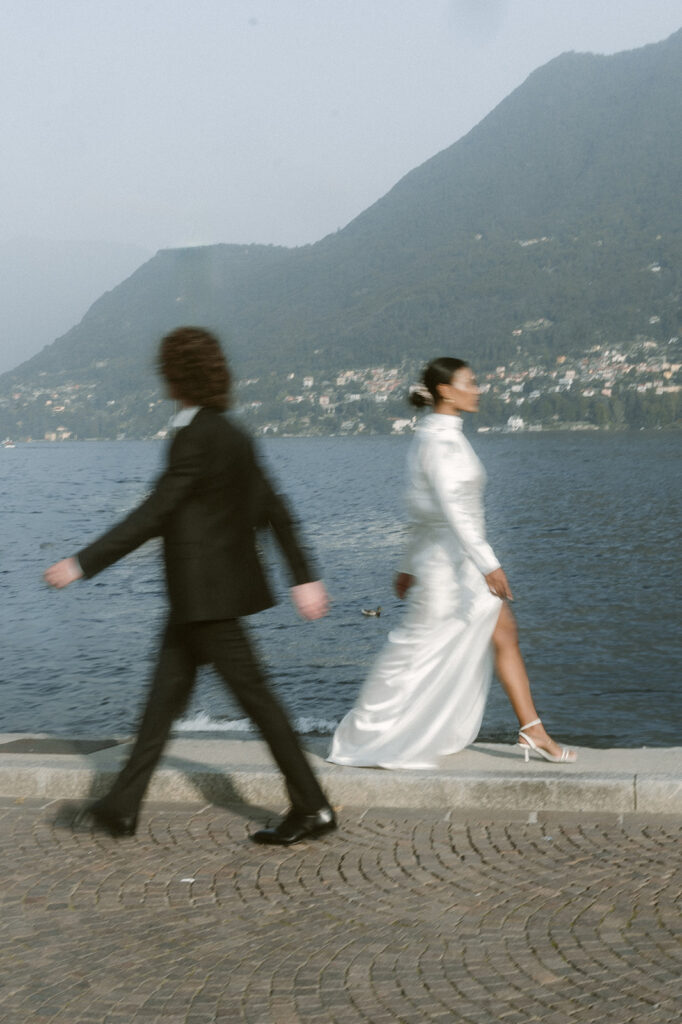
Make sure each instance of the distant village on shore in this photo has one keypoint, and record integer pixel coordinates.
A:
(517, 396)
(636, 385)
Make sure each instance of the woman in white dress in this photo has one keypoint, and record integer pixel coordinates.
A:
(426, 693)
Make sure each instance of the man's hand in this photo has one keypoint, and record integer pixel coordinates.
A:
(499, 585)
(62, 573)
(310, 599)
(403, 582)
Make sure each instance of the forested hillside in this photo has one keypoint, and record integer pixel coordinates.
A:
(551, 228)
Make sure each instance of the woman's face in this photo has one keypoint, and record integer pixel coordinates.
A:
(463, 390)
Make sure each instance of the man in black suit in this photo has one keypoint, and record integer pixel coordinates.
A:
(207, 506)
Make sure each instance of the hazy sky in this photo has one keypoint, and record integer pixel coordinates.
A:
(181, 122)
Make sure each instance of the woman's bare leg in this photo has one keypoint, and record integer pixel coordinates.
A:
(511, 671)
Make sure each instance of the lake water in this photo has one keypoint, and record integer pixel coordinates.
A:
(587, 527)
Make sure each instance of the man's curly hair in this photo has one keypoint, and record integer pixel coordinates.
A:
(192, 363)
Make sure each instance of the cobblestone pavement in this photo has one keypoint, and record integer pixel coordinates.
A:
(399, 917)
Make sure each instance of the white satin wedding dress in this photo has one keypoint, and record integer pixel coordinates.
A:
(426, 692)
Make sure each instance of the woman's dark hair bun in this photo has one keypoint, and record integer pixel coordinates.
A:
(438, 371)
(419, 396)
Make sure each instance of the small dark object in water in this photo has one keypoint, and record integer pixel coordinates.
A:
(375, 612)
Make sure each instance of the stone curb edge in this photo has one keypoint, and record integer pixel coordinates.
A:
(584, 792)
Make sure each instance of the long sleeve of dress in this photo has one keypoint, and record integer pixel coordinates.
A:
(448, 468)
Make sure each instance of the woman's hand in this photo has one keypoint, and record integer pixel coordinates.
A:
(403, 582)
(499, 585)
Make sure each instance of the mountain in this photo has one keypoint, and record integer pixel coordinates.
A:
(552, 227)
(46, 286)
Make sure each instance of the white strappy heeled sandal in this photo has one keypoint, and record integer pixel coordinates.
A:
(566, 756)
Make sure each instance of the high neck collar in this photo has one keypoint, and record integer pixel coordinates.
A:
(442, 423)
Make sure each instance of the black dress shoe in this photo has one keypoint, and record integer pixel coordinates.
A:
(296, 826)
(94, 817)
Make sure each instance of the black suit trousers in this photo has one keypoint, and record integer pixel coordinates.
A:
(225, 645)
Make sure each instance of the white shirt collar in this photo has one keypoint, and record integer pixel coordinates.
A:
(184, 417)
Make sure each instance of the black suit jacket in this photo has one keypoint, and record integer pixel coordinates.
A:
(207, 506)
